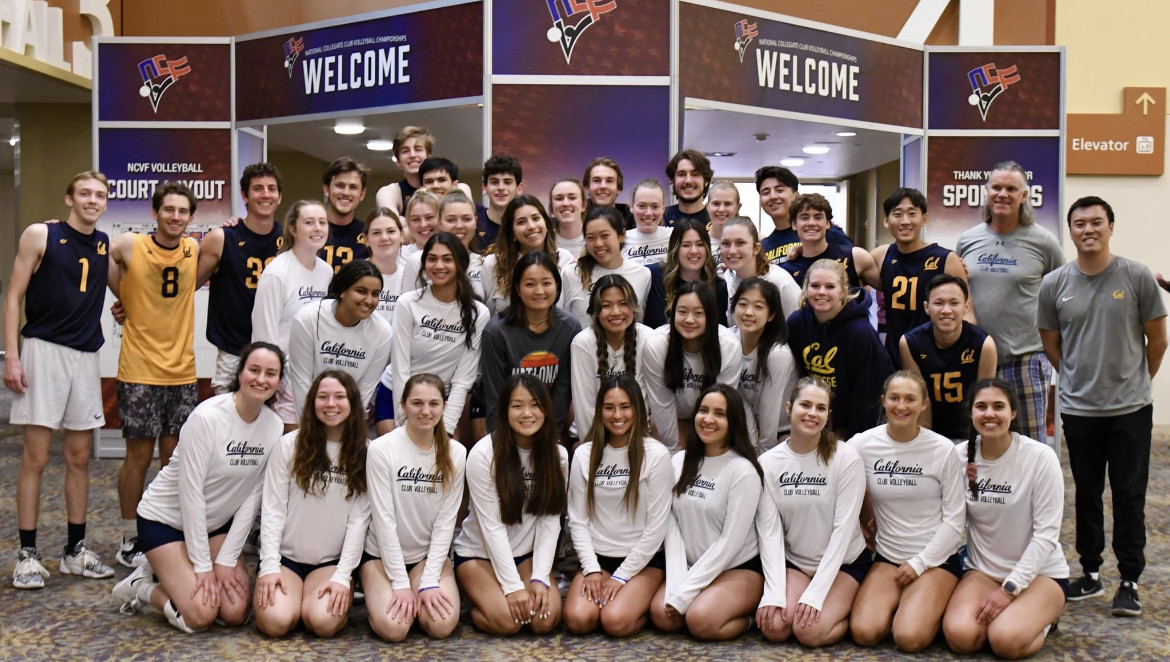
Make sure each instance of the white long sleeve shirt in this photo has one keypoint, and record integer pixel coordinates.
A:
(712, 526)
(646, 248)
(1013, 529)
(916, 488)
(819, 506)
(614, 529)
(318, 342)
(585, 383)
(667, 405)
(575, 298)
(310, 528)
(484, 535)
(428, 336)
(393, 285)
(215, 475)
(765, 398)
(413, 514)
(284, 288)
(412, 264)
(497, 301)
(789, 290)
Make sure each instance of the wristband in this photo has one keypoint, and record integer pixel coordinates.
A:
(429, 588)
(586, 574)
(539, 581)
(623, 581)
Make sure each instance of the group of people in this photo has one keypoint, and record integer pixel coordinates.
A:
(744, 445)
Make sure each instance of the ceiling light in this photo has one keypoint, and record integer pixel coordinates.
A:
(348, 127)
(718, 154)
(846, 134)
(815, 149)
(791, 163)
(380, 145)
(760, 137)
(12, 141)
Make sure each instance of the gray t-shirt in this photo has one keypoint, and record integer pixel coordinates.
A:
(1005, 271)
(508, 350)
(1102, 367)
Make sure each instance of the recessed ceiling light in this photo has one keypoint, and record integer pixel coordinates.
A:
(12, 141)
(815, 149)
(846, 134)
(718, 154)
(348, 127)
(380, 145)
(791, 163)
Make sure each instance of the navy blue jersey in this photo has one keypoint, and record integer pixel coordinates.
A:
(904, 280)
(843, 254)
(949, 374)
(346, 243)
(233, 285)
(777, 244)
(406, 190)
(66, 294)
(673, 214)
(654, 312)
(485, 229)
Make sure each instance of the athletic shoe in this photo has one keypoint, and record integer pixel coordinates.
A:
(130, 554)
(81, 561)
(176, 619)
(126, 591)
(29, 573)
(1085, 587)
(1126, 601)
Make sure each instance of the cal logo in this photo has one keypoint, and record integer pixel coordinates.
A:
(63, 241)
(931, 264)
(186, 251)
(1118, 294)
(361, 238)
(241, 244)
(821, 364)
(101, 248)
(968, 356)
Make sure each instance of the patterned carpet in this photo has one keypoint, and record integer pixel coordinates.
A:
(74, 618)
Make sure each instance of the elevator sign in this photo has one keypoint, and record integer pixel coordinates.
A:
(1129, 143)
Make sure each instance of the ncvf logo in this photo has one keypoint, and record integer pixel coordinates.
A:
(158, 75)
(567, 28)
(987, 83)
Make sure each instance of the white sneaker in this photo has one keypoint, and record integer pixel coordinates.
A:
(129, 554)
(29, 573)
(176, 619)
(81, 561)
(125, 592)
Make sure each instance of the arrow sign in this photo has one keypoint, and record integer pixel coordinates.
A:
(1145, 100)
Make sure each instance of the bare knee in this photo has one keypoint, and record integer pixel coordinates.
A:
(912, 640)
(964, 636)
(324, 624)
(234, 615)
(1010, 642)
(199, 617)
(779, 634)
(701, 625)
(620, 623)
(816, 636)
(276, 623)
(77, 459)
(501, 624)
(439, 629)
(34, 460)
(867, 633)
(580, 621)
(387, 628)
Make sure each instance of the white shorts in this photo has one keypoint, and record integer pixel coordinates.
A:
(284, 406)
(225, 371)
(64, 388)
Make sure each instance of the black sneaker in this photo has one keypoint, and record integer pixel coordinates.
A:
(1126, 601)
(1085, 587)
